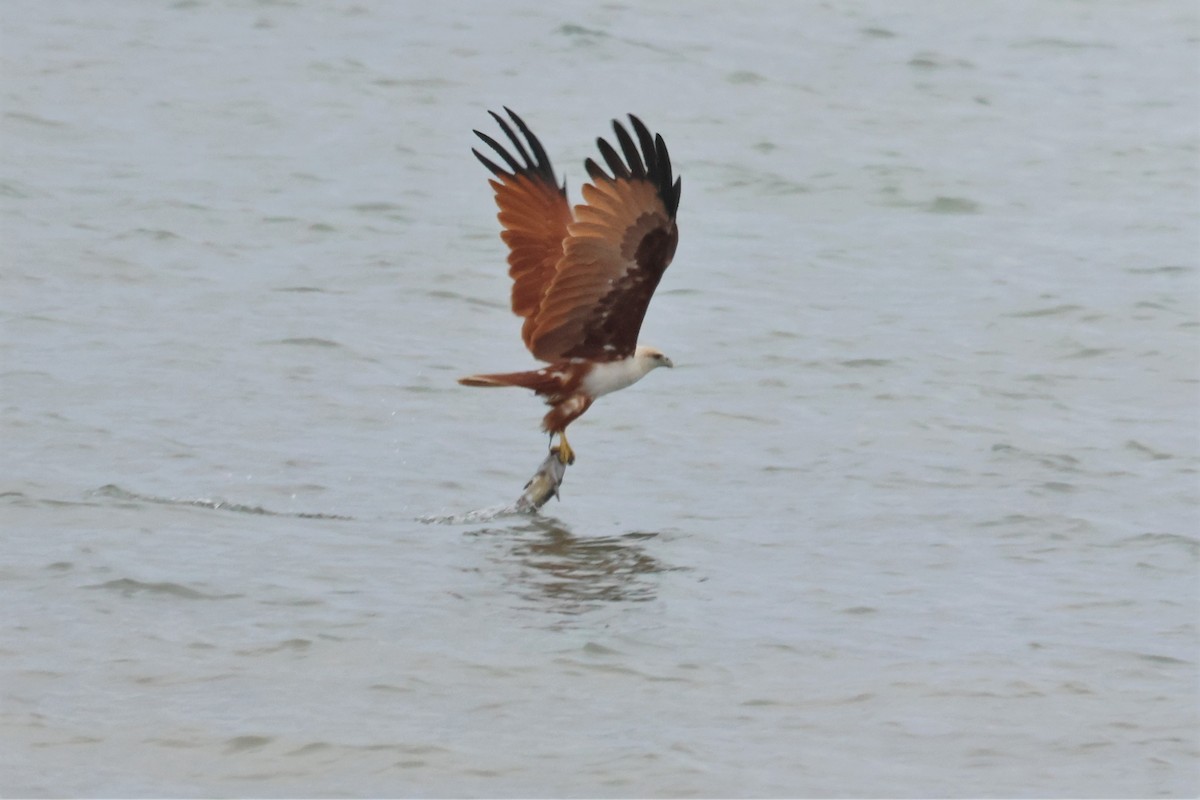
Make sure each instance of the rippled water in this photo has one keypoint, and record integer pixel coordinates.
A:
(915, 515)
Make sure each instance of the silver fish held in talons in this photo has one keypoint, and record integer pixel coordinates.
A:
(544, 483)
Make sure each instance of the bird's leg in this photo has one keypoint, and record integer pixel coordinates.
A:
(565, 454)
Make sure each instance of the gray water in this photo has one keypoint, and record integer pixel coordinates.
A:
(915, 515)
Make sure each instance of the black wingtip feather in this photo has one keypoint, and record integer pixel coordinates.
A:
(491, 165)
(513, 165)
(615, 164)
(652, 163)
(594, 172)
(647, 143)
(536, 165)
(512, 137)
(632, 156)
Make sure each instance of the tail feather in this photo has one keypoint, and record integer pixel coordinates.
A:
(542, 381)
(485, 380)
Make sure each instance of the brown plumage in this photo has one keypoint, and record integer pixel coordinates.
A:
(582, 280)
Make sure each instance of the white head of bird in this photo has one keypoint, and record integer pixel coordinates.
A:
(648, 358)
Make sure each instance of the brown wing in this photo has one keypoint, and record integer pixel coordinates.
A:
(614, 255)
(534, 212)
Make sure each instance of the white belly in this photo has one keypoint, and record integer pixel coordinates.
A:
(608, 377)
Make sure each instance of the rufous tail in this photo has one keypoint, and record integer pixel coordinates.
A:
(540, 381)
(486, 380)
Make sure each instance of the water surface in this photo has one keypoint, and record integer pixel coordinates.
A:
(915, 514)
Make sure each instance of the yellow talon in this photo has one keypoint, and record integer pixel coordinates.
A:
(565, 454)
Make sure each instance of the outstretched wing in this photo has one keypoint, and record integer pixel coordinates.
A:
(535, 214)
(615, 253)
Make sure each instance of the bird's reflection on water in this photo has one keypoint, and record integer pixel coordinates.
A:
(572, 574)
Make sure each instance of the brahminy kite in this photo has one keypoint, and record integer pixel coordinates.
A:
(583, 278)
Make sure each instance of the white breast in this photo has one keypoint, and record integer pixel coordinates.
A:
(609, 376)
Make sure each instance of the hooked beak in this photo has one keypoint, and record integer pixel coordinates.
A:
(667, 362)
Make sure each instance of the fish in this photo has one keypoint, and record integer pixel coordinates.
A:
(544, 483)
